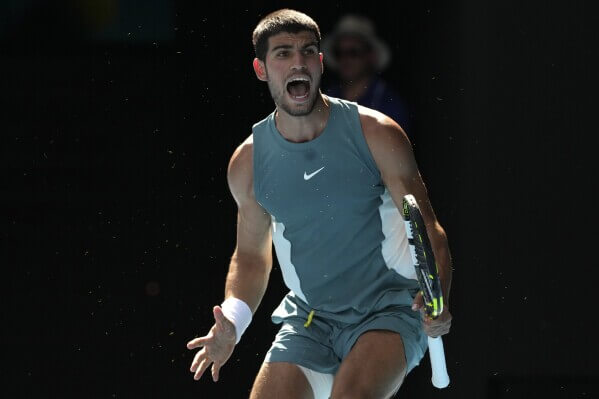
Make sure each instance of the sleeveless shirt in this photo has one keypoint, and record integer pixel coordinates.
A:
(339, 238)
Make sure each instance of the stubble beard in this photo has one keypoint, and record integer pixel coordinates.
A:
(279, 96)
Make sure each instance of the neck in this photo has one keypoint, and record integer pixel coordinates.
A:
(354, 89)
(299, 129)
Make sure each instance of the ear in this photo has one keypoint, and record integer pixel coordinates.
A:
(321, 64)
(260, 70)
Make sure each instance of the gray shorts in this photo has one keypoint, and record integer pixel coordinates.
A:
(323, 345)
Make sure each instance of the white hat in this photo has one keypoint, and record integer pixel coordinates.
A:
(356, 26)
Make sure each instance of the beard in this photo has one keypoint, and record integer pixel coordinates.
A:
(283, 101)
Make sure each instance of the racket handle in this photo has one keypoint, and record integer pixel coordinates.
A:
(440, 377)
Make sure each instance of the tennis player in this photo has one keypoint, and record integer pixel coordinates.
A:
(323, 179)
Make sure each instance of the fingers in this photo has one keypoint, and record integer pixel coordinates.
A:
(219, 317)
(430, 330)
(418, 302)
(222, 322)
(215, 371)
(437, 327)
(203, 366)
(197, 359)
(197, 342)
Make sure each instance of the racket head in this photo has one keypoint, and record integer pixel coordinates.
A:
(427, 271)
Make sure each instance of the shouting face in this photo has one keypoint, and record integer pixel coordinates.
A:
(292, 68)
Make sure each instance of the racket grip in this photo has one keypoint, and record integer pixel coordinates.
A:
(440, 377)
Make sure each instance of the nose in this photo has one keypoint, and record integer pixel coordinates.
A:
(299, 61)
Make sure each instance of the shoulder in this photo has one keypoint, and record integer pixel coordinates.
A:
(263, 123)
(390, 147)
(381, 132)
(240, 170)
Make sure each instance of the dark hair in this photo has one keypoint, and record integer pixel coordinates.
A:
(284, 20)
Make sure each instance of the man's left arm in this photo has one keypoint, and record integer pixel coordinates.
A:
(392, 152)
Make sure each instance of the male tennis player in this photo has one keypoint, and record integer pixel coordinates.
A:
(323, 179)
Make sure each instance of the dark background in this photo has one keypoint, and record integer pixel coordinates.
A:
(118, 121)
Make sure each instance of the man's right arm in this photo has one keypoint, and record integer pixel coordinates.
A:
(252, 259)
(248, 271)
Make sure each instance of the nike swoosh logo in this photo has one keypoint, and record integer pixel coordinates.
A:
(309, 176)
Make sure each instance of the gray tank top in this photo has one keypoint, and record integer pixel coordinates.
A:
(338, 236)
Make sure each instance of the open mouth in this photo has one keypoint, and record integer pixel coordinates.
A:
(298, 88)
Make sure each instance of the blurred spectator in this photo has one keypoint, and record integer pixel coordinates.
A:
(358, 56)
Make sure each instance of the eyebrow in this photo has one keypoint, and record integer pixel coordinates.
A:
(288, 46)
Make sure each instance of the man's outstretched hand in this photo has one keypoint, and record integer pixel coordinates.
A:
(217, 345)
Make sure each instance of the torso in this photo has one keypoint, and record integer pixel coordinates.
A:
(339, 237)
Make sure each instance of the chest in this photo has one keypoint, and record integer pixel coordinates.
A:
(317, 183)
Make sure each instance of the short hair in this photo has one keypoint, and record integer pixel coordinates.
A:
(284, 20)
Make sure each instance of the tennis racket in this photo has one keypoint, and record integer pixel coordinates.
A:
(427, 273)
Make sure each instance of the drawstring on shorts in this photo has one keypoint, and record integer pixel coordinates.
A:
(309, 321)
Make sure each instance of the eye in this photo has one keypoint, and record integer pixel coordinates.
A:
(310, 50)
(283, 53)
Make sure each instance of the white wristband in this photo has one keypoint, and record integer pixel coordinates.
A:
(239, 313)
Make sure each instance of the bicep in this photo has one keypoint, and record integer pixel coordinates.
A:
(392, 152)
(254, 240)
(254, 237)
